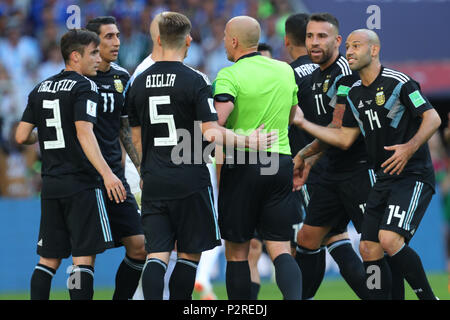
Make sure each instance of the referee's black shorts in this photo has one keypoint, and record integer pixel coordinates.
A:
(250, 200)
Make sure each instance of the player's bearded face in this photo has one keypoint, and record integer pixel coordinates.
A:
(321, 41)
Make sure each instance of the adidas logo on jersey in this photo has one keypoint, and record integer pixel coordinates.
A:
(361, 104)
(39, 243)
(106, 86)
(368, 102)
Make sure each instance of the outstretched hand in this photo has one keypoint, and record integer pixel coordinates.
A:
(262, 141)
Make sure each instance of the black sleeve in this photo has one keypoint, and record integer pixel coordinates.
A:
(343, 86)
(413, 99)
(86, 99)
(28, 113)
(125, 81)
(130, 106)
(204, 102)
(349, 119)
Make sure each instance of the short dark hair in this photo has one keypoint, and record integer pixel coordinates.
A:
(264, 47)
(173, 28)
(325, 17)
(95, 24)
(295, 28)
(77, 40)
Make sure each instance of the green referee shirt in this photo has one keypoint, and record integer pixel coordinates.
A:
(264, 91)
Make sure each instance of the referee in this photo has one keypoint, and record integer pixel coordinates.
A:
(256, 90)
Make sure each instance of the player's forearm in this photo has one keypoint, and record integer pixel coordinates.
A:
(137, 141)
(92, 151)
(31, 139)
(328, 135)
(430, 123)
(225, 137)
(125, 137)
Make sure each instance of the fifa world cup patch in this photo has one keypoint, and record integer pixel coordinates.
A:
(91, 108)
(416, 98)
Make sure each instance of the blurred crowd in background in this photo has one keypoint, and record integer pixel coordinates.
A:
(29, 52)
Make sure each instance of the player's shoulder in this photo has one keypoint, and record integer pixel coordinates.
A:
(84, 83)
(342, 67)
(198, 74)
(354, 88)
(391, 75)
(119, 70)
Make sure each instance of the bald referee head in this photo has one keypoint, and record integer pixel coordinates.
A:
(241, 36)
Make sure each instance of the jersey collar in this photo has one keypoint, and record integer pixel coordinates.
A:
(377, 79)
(248, 55)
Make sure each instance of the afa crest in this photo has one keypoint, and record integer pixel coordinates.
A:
(118, 85)
(325, 86)
(380, 99)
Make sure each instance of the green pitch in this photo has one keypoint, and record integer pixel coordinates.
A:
(330, 290)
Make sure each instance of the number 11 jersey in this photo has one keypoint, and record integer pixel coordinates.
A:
(168, 101)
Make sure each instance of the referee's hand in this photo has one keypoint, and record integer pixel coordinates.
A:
(114, 187)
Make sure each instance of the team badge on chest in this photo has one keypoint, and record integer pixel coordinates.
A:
(325, 85)
(379, 97)
(118, 85)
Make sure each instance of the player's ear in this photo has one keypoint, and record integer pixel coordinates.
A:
(158, 39)
(188, 40)
(75, 56)
(287, 43)
(375, 50)
(339, 40)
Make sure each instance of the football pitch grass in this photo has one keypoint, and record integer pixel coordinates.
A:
(331, 289)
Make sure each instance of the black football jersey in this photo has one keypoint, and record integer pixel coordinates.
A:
(325, 86)
(53, 107)
(168, 100)
(111, 85)
(388, 113)
(303, 68)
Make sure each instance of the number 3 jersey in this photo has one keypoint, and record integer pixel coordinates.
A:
(388, 113)
(168, 101)
(53, 107)
(328, 89)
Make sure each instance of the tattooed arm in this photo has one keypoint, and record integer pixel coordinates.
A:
(125, 137)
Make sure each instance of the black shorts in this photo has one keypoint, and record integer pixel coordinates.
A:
(305, 194)
(191, 222)
(76, 225)
(124, 217)
(250, 201)
(335, 202)
(396, 205)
